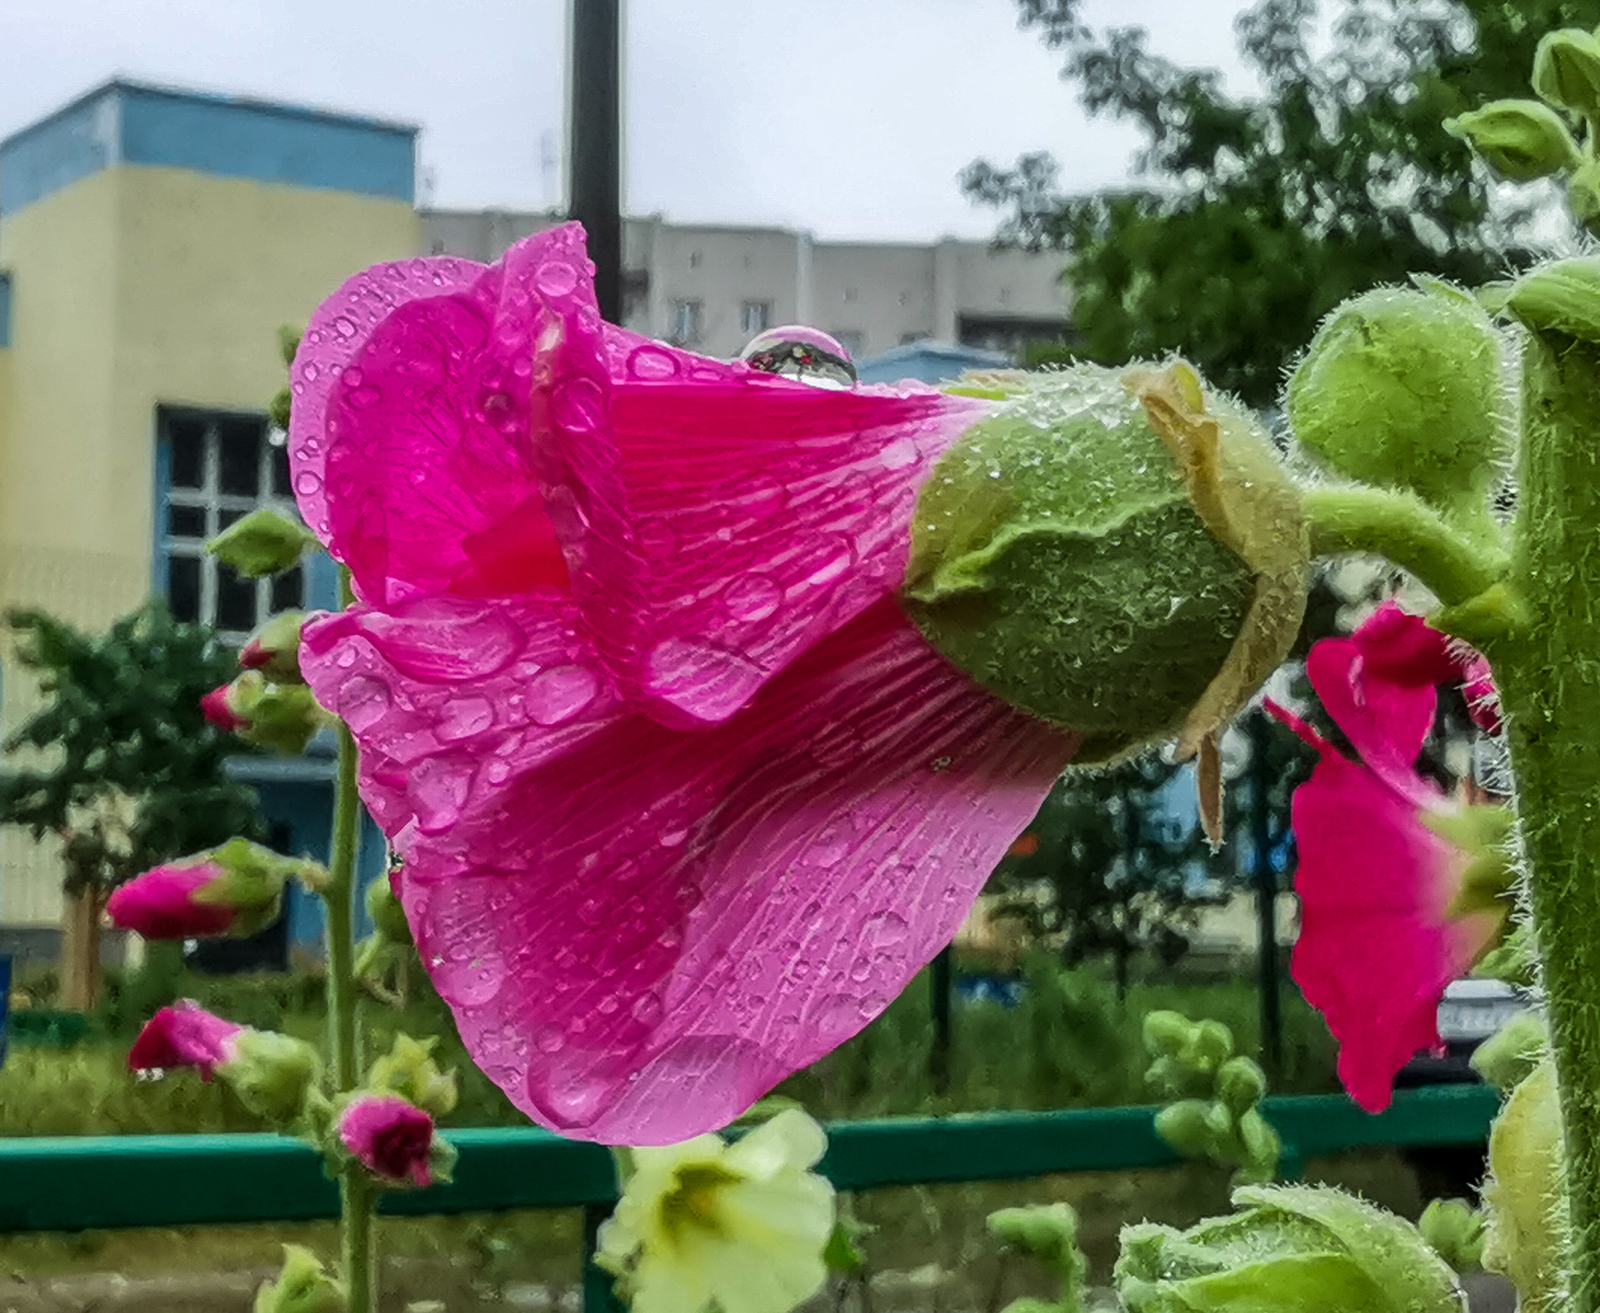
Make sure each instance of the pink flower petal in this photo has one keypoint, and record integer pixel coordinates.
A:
(490, 436)
(641, 935)
(184, 1035)
(217, 709)
(1375, 951)
(1379, 685)
(159, 904)
(1483, 699)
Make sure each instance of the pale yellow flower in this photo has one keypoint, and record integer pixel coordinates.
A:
(739, 1225)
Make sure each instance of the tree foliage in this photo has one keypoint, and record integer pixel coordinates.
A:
(123, 767)
(1257, 215)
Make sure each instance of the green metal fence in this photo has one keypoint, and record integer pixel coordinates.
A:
(92, 1182)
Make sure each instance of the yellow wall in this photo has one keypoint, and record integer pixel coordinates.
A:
(133, 287)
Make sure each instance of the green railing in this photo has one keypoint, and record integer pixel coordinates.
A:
(94, 1182)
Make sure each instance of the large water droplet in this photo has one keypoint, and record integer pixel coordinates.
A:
(806, 354)
(437, 788)
(559, 693)
(707, 682)
(363, 701)
(445, 640)
(752, 597)
(465, 717)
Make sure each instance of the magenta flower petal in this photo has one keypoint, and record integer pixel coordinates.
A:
(160, 903)
(389, 1136)
(184, 1035)
(1483, 699)
(1376, 949)
(489, 436)
(642, 935)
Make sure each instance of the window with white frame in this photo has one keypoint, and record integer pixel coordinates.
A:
(755, 317)
(218, 467)
(687, 320)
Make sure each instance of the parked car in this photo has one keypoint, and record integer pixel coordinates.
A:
(1470, 1012)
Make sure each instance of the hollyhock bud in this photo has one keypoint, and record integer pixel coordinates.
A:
(218, 708)
(281, 717)
(236, 889)
(1116, 551)
(1048, 1232)
(302, 1287)
(1241, 1084)
(1292, 1249)
(391, 1138)
(408, 1069)
(271, 1073)
(274, 649)
(1453, 1229)
(1561, 297)
(263, 542)
(1405, 388)
(1529, 1217)
(1519, 139)
(185, 1035)
(1566, 71)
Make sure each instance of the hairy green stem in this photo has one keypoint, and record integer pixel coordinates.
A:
(356, 1197)
(1402, 528)
(1548, 674)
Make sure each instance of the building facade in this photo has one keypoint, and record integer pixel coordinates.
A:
(152, 241)
(714, 288)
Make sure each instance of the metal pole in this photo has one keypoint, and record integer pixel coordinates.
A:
(1266, 883)
(941, 984)
(595, 92)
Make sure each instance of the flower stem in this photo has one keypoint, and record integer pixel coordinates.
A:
(1548, 673)
(1400, 527)
(356, 1197)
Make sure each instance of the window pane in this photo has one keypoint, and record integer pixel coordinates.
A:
(236, 600)
(289, 591)
(183, 587)
(279, 459)
(227, 517)
(241, 457)
(186, 521)
(188, 440)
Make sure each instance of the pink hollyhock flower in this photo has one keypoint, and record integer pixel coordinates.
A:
(184, 1035)
(218, 708)
(683, 798)
(1378, 943)
(161, 903)
(389, 1136)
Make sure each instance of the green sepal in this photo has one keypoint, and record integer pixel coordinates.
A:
(1518, 139)
(1508, 1057)
(303, 1286)
(1514, 959)
(408, 1069)
(1566, 71)
(272, 1073)
(842, 1253)
(1562, 297)
(1529, 1221)
(1583, 194)
(1454, 1230)
(1241, 1084)
(262, 543)
(281, 717)
(1484, 834)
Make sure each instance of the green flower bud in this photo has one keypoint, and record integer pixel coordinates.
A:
(1241, 1084)
(1210, 1047)
(263, 542)
(1583, 194)
(1189, 1128)
(1566, 71)
(271, 1074)
(1453, 1228)
(280, 717)
(1292, 1250)
(1406, 389)
(1563, 297)
(408, 1069)
(302, 1287)
(1168, 1033)
(274, 649)
(1519, 139)
(1529, 1222)
(1509, 1056)
(1049, 1232)
(1115, 552)
(1261, 1148)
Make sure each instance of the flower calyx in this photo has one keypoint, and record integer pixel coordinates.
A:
(274, 649)
(1518, 139)
(263, 542)
(408, 1069)
(303, 1286)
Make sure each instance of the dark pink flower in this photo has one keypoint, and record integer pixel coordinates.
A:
(218, 708)
(161, 903)
(389, 1136)
(1378, 940)
(684, 800)
(184, 1035)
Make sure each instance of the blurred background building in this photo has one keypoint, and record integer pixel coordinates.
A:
(151, 243)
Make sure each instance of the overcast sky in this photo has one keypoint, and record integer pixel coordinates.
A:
(847, 117)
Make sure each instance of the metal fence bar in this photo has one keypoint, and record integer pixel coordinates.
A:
(96, 1182)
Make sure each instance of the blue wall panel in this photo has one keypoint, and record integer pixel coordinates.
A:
(50, 155)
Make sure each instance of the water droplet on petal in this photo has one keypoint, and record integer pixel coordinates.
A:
(653, 363)
(707, 682)
(752, 597)
(363, 702)
(306, 483)
(556, 278)
(559, 693)
(465, 717)
(806, 354)
(899, 453)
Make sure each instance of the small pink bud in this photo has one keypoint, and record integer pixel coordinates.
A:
(389, 1136)
(184, 1035)
(160, 904)
(219, 709)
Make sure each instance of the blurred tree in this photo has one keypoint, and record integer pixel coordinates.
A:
(1260, 214)
(124, 769)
